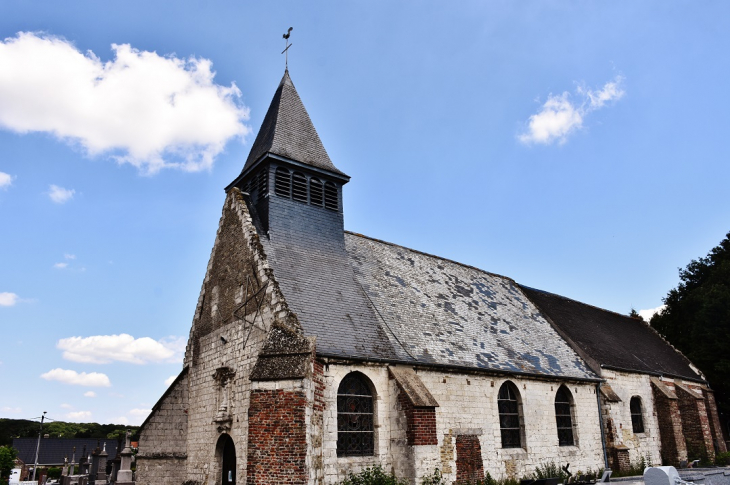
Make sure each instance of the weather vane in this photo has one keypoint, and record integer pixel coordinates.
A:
(286, 51)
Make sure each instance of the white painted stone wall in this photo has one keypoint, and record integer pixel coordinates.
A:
(467, 401)
(648, 443)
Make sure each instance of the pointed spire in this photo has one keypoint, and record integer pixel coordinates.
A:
(288, 131)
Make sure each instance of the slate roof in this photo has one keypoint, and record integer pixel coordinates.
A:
(54, 450)
(288, 131)
(319, 285)
(445, 313)
(613, 340)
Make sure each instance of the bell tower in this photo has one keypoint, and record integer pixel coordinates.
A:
(293, 185)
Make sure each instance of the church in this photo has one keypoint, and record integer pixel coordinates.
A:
(315, 352)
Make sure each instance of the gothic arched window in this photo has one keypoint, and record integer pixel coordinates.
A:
(355, 430)
(316, 192)
(282, 182)
(637, 415)
(564, 416)
(508, 403)
(330, 196)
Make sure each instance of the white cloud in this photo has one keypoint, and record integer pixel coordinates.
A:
(60, 265)
(140, 413)
(92, 379)
(79, 415)
(141, 108)
(170, 380)
(5, 180)
(89, 394)
(8, 299)
(120, 420)
(560, 115)
(69, 256)
(9, 410)
(66, 406)
(647, 314)
(59, 195)
(104, 349)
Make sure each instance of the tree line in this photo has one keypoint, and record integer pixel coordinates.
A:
(696, 320)
(24, 428)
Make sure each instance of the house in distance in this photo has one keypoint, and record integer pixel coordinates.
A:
(315, 352)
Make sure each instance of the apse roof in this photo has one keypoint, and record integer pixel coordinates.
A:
(288, 131)
(611, 339)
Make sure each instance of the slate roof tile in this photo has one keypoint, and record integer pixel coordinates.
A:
(613, 340)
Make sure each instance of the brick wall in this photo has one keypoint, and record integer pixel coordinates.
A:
(695, 423)
(469, 464)
(715, 426)
(277, 438)
(420, 421)
(673, 447)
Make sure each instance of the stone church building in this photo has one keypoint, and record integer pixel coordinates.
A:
(315, 352)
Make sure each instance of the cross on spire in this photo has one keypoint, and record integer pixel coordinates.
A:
(286, 50)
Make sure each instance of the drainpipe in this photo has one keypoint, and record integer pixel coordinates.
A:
(600, 420)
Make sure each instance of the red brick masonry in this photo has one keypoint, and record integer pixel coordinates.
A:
(469, 465)
(421, 421)
(277, 443)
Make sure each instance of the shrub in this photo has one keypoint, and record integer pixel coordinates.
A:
(550, 470)
(434, 479)
(373, 476)
(722, 459)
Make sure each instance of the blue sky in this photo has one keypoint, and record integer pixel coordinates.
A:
(577, 147)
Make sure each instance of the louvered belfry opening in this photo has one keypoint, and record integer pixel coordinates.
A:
(316, 192)
(282, 182)
(299, 187)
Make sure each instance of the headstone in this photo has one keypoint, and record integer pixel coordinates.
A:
(101, 468)
(661, 475)
(124, 475)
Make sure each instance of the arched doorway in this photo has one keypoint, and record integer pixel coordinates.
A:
(228, 460)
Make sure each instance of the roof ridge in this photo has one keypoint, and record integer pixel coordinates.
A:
(583, 303)
(432, 256)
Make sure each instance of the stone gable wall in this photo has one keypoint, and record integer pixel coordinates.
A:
(229, 329)
(467, 406)
(163, 440)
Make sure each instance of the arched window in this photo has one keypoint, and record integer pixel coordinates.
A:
(316, 192)
(299, 187)
(509, 415)
(355, 430)
(637, 415)
(564, 416)
(330, 196)
(282, 182)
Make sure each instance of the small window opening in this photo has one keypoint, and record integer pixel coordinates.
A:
(282, 182)
(563, 416)
(330, 196)
(637, 416)
(299, 187)
(316, 192)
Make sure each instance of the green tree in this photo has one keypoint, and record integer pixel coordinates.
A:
(8, 454)
(696, 319)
